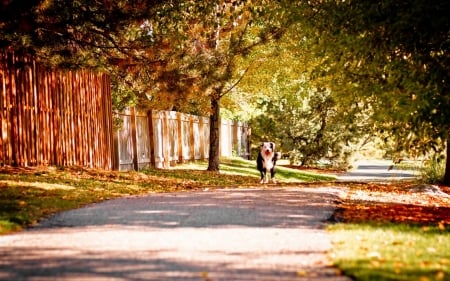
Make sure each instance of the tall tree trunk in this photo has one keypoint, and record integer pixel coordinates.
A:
(447, 162)
(214, 126)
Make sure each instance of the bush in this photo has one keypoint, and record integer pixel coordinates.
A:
(433, 171)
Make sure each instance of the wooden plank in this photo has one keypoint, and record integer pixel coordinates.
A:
(151, 138)
(89, 115)
(63, 116)
(14, 115)
(3, 105)
(106, 82)
(34, 114)
(180, 137)
(29, 126)
(165, 140)
(173, 137)
(134, 138)
(201, 129)
(48, 138)
(48, 116)
(9, 88)
(206, 134)
(77, 122)
(191, 137)
(70, 113)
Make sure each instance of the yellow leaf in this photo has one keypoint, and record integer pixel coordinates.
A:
(375, 264)
(440, 275)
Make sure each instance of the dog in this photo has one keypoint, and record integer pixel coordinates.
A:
(266, 161)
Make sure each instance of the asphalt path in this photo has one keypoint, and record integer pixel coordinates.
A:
(264, 233)
(377, 171)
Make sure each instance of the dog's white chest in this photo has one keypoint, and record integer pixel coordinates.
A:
(268, 163)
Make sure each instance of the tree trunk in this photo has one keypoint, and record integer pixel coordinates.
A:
(214, 126)
(447, 162)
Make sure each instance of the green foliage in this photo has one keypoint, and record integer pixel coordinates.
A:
(391, 58)
(433, 170)
(306, 123)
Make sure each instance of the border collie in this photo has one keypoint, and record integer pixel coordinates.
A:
(267, 158)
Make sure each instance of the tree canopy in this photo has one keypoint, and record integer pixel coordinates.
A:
(344, 66)
(392, 58)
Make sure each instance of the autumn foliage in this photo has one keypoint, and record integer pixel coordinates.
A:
(397, 203)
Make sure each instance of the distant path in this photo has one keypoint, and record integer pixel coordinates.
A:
(259, 234)
(376, 170)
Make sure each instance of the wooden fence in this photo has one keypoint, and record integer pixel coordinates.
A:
(163, 138)
(53, 117)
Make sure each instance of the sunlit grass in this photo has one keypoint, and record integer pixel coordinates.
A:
(391, 251)
(247, 168)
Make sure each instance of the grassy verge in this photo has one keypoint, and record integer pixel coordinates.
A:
(241, 167)
(28, 195)
(392, 232)
(392, 251)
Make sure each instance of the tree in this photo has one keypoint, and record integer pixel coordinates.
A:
(391, 58)
(220, 32)
(300, 115)
(77, 33)
(159, 53)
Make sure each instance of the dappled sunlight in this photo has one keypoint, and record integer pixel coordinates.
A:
(240, 234)
(40, 185)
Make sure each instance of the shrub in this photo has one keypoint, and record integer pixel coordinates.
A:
(433, 170)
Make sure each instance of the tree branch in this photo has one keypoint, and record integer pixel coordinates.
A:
(237, 81)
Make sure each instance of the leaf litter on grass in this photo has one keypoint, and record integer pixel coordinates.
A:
(393, 231)
(402, 202)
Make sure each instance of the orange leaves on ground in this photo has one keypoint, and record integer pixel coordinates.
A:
(391, 212)
(399, 203)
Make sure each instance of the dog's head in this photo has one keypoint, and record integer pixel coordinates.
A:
(267, 148)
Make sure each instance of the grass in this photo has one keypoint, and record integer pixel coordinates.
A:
(392, 251)
(242, 167)
(364, 251)
(29, 194)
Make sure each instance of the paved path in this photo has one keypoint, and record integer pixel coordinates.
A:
(232, 234)
(376, 171)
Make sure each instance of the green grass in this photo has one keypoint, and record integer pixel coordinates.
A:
(391, 251)
(28, 195)
(247, 168)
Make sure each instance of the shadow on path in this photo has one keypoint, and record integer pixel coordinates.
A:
(254, 234)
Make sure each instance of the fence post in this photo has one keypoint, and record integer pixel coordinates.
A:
(191, 137)
(236, 141)
(202, 136)
(134, 138)
(151, 138)
(180, 137)
(165, 139)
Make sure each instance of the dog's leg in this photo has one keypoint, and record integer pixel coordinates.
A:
(262, 176)
(272, 175)
(266, 176)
